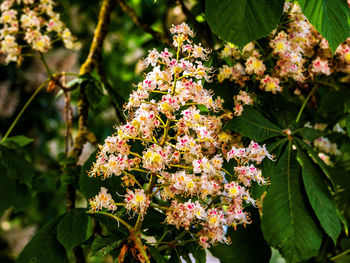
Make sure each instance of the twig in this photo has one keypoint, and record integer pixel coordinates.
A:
(100, 34)
(132, 14)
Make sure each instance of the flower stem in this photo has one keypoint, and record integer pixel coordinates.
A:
(23, 109)
(181, 166)
(133, 178)
(154, 205)
(49, 72)
(129, 227)
(340, 255)
(227, 172)
(305, 102)
(161, 239)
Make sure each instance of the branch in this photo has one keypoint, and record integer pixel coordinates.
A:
(132, 14)
(95, 53)
(93, 60)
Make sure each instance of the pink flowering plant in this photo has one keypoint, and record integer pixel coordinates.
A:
(179, 172)
(233, 144)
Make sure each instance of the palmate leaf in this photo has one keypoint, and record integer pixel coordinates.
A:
(286, 222)
(330, 17)
(309, 134)
(243, 21)
(102, 246)
(20, 140)
(319, 196)
(254, 125)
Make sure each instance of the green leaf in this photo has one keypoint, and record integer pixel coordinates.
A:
(65, 161)
(158, 258)
(7, 192)
(243, 21)
(23, 197)
(330, 18)
(93, 90)
(254, 125)
(309, 134)
(317, 160)
(78, 81)
(198, 252)
(248, 244)
(344, 222)
(276, 146)
(340, 173)
(13, 194)
(44, 247)
(21, 140)
(118, 230)
(102, 246)
(319, 196)
(286, 222)
(71, 230)
(94, 93)
(70, 175)
(154, 222)
(16, 166)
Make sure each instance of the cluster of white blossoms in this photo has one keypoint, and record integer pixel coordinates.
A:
(184, 150)
(31, 23)
(240, 100)
(296, 51)
(103, 200)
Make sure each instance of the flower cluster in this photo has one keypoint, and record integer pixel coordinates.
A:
(297, 52)
(35, 23)
(179, 125)
(296, 46)
(240, 100)
(102, 200)
(270, 84)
